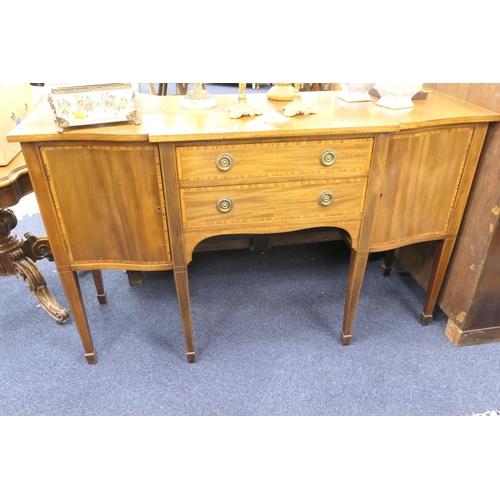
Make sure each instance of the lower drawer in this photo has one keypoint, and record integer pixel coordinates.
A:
(272, 202)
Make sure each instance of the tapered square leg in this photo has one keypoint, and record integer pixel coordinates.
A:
(357, 267)
(441, 260)
(388, 260)
(99, 286)
(182, 286)
(91, 357)
(425, 319)
(71, 285)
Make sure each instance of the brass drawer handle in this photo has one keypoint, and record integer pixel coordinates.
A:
(225, 205)
(224, 162)
(328, 157)
(325, 198)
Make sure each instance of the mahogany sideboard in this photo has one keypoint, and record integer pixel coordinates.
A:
(141, 197)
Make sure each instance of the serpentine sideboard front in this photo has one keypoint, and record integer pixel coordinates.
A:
(141, 197)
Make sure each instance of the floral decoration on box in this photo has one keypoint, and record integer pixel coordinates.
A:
(75, 105)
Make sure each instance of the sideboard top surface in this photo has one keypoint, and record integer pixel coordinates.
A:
(164, 120)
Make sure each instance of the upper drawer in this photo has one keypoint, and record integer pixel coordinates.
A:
(240, 161)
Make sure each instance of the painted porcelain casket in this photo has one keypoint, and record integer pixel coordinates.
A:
(90, 104)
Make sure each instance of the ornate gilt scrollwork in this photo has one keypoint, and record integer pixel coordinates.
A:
(132, 116)
(91, 88)
(62, 124)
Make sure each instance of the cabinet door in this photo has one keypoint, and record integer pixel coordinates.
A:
(110, 205)
(419, 186)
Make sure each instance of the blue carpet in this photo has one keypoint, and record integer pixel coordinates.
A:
(266, 328)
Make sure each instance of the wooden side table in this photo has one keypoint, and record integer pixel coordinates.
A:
(18, 254)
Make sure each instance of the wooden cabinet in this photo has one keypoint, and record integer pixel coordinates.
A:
(420, 183)
(143, 197)
(120, 220)
(471, 289)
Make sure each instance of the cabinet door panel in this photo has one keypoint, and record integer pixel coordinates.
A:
(419, 185)
(121, 216)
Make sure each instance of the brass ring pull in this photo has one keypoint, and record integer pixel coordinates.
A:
(225, 205)
(325, 198)
(224, 162)
(328, 157)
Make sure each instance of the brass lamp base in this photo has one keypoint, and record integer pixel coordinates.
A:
(297, 107)
(243, 108)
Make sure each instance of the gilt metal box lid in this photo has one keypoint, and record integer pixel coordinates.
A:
(76, 104)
